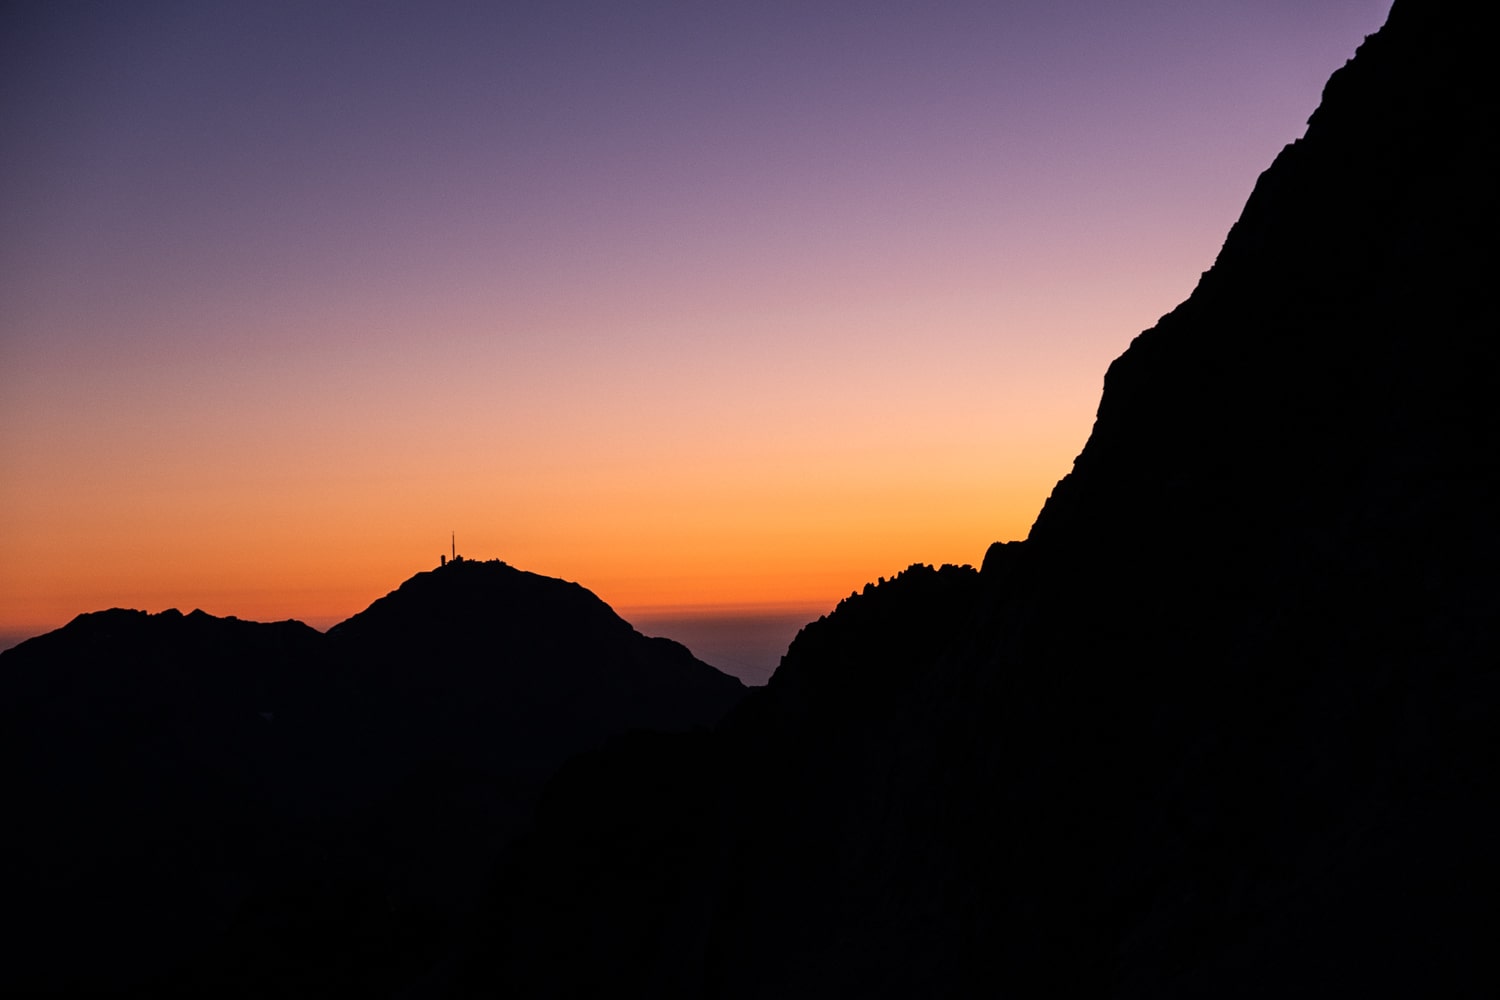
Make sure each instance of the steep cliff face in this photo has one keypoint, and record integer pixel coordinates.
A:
(1222, 725)
(1266, 593)
(1332, 374)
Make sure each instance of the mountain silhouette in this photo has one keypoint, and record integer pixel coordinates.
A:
(1223, 725)
(522, 666)
(200, 803)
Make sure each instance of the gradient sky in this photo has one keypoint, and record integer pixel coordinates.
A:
(698, 304)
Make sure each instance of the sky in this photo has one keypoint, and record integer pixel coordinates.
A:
(718, 309)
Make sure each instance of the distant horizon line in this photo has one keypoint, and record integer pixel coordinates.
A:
(699, 610)
(648, 616)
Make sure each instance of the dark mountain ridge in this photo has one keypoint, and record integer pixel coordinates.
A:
(201, 803)
(558, 663)
(1223, 725)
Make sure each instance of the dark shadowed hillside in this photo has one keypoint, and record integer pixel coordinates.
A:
(530, 667)
(218, 806)
(144, 785)
(1222, 726)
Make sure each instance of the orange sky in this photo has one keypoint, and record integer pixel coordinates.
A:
(646, 487)
(736, 311)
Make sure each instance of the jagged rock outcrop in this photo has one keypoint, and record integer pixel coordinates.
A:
(210, 806)
(1223, 725)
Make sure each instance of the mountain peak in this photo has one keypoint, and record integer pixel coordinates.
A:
(175, 779)
(466, 595)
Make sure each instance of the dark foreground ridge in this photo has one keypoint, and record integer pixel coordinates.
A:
(1224, 725)
(221, 807)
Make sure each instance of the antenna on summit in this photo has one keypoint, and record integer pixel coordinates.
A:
(453, 543)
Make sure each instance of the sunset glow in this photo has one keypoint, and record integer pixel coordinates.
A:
(697, 309)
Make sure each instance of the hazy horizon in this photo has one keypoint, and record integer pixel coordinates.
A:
(743, 640)
(696, 307)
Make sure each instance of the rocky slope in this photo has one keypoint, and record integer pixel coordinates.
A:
(1223, 725)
